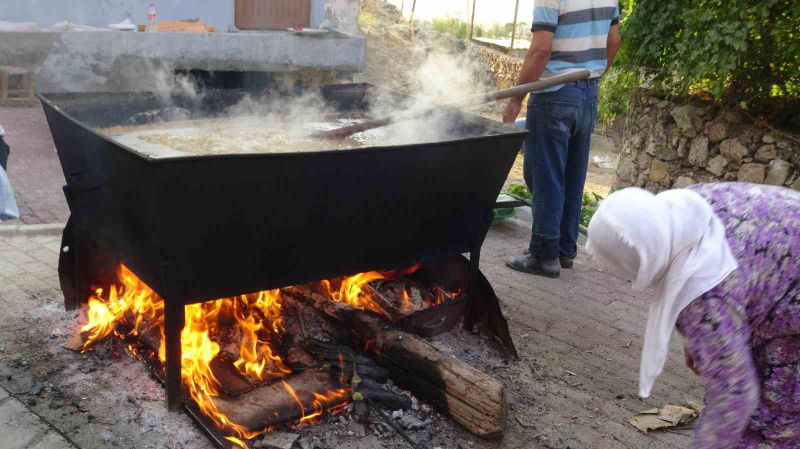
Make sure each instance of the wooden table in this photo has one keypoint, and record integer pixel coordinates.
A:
(7, 95)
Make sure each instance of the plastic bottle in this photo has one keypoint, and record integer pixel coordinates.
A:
(151, 19)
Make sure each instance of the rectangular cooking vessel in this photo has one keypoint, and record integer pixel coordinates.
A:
(197, 228)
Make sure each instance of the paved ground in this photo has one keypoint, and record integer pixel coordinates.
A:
(579, 337)
(22, 428)
(33, 167)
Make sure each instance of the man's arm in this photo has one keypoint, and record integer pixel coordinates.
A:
(612, 44)
(532, 69)
(544, 25)
(536, 59)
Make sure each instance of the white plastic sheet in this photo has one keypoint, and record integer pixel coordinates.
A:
(8, 206)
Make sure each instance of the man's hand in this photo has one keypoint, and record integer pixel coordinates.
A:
(511, 112)
(690, 363)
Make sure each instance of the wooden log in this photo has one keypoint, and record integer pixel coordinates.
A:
(474, 399)
(335, 352)
(373, 372)
(274, 404)
(232, 383)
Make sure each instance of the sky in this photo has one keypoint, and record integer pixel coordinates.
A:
(487, 12)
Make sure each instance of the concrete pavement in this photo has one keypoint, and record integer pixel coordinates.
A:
(24, 429)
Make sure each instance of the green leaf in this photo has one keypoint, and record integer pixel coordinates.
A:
(518, 190)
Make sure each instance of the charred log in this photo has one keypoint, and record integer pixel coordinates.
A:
(346, 371)
(335, 352)
(474, 399)
(299, 360)
(369, 390)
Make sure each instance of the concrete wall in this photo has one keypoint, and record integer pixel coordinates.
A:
(110, 61)
(100, 13)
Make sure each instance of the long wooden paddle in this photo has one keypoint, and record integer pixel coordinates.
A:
(347, 131)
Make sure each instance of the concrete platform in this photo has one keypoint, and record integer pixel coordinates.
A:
(107, 61)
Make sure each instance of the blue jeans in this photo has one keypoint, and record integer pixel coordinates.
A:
(557, 158)
(526, 168)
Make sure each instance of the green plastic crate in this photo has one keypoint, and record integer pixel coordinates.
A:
(500, 215)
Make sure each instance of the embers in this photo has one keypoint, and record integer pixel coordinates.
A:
(248, 364)
(410, 298)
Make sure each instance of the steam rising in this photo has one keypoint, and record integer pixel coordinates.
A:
(442, 80)
(282, 116)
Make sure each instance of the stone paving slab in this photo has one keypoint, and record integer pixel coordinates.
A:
(22, 429)
(53, 441)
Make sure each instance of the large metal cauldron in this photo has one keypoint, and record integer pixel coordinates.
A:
(198, 228)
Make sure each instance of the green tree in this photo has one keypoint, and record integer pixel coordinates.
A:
(742, 52)
(451, 25)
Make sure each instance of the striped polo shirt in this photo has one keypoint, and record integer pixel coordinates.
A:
(580, 30)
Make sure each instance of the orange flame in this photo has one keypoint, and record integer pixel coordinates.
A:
(253, 359)
(236, 441)
(197, 351)
(134, 298)
(351, 291)
(258, 315)
(442, 297)
(319, 403)
(407, 306)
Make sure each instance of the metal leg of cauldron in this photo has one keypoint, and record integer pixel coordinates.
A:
(68, 266)
(69, 259)
(473, 313)
(173, 325)
(483, 303)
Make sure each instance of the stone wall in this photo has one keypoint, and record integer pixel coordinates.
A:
(505, 68)
(669, 145)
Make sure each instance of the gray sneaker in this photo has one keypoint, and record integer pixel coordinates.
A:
(566, 262)
(528, 264)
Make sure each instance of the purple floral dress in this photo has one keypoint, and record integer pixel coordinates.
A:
(744, 334)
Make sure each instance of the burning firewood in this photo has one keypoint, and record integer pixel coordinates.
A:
(299, 360)
(245, 373)
(335, 352)
(370, 391)
(474, 399)
(347, 370)
(231, 382)
(294, 398)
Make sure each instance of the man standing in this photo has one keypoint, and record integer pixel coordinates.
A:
(568, 35)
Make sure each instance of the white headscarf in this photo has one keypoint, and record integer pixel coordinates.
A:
(673, 241)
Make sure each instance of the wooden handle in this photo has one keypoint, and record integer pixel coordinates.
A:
(557, 80)
(542, 84)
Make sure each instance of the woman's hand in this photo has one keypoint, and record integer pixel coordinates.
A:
(689, 360)
(511, 112)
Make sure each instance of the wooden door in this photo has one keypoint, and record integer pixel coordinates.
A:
(272, 14)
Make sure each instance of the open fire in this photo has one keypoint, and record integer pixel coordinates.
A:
(133, 310)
